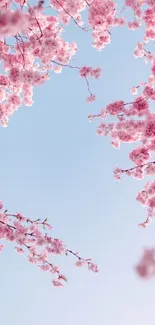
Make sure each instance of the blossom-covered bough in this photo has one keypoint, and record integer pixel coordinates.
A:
(31, 49)
(33, 238)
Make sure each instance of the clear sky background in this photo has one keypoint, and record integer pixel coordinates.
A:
(53, 165)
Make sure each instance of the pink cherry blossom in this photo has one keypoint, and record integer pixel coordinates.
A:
(80, 263)
(130, 3)
(150, 169)
(139, 155)
(134, 90)
(115, 108)
(57, 283)
(150, 126)
(91, 98)
(1, 205)
(1, 247)
(92, 267)
(146, 266)
(141, 106)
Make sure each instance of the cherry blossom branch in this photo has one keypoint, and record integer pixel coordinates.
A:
(66, 11)
(65, 65)
(88, 86)
(112, 105)
(84, 73)
(138, 166)
(40, 246)
(31, 10)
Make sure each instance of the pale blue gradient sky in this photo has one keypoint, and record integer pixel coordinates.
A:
(53, 165)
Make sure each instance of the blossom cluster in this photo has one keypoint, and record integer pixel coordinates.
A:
(32, 46)
(146, 266)
(33, 238)
(134, 121)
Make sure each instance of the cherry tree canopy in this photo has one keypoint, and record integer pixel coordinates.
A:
(32, 48)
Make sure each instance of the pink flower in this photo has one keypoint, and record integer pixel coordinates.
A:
(58, 69)
(117, 173)
(116, 143)
(57, 246)
(21, 217)
(92, 267)
(15, 75)
(40, 241)
(33, 250)
(145, 223)
(62, 277)
(142, 197)
(85, 71)
(150, 169)
(134, 24)
(115, 107)
(151, 202)
(90, 117)
(140, 155)
(139, 51)
(12, 22)
(134, 90)
(95, 73)
(44, 267)
(146, 266)
(32, 259)
(43, 256)
(1, 247)
(130, 3)
(103, 113)
(148, 91)
(141, 106)
(49, 226)
(15, 100)
(150, 126)
(57, 283)
(80, 263)
(138, 173)
(142, 271)
(1, 205)
(91, 98)
(153, 67)
(152, 145)
(90, 72)
(19, 250)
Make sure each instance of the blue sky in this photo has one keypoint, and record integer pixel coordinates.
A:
(53, 165)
